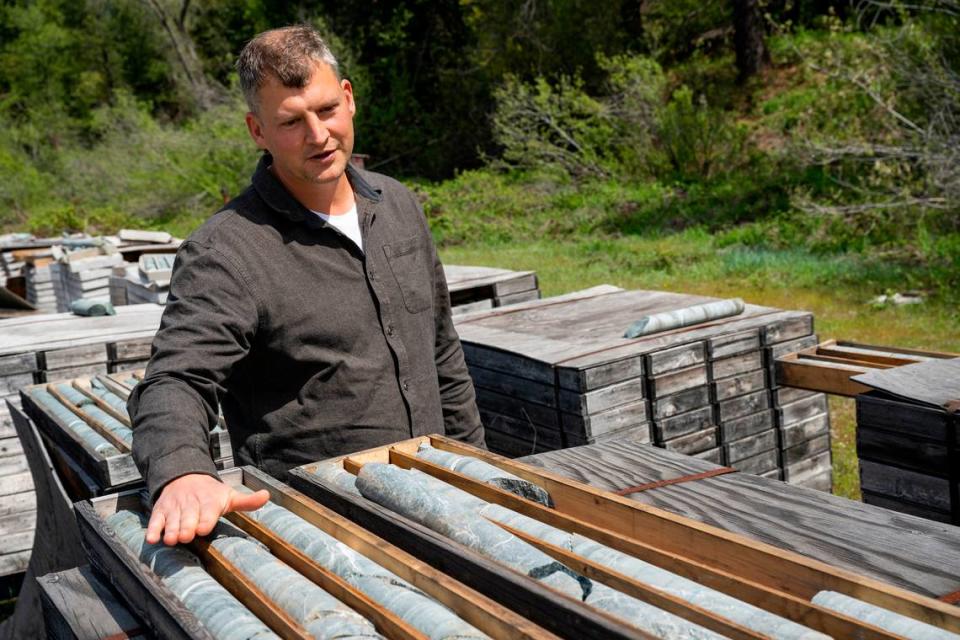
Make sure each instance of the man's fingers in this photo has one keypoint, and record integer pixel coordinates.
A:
(246, 501)
(171, 532)
(189, 516)
(155, 526)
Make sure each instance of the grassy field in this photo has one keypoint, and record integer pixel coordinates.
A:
(837, 290)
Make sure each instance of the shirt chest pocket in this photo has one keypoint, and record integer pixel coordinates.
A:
(408, 260)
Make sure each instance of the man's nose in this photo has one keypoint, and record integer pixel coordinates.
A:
(316, 131)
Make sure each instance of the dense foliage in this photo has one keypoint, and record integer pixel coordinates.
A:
(517, 118)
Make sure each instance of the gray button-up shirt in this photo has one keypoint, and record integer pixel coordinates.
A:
(312, 347)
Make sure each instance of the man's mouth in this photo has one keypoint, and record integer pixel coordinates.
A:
(322, 155)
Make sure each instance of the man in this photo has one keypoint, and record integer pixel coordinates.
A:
(312, 308)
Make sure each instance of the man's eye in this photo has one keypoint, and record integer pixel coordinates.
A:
(289, 123)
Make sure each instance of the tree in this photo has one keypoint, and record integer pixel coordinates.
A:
(748, 38)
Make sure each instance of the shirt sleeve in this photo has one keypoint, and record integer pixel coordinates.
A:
(208, 326)
(458, 400)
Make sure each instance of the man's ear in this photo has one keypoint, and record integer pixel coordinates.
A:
(255, 128)
(348, 92)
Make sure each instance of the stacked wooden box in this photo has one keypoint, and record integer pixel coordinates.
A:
(18, 511)
(529, 400)
(109, 472)
(42, 283)
(704, 390)
(477, 288)
(86, 273)
(908, 439)
(146, 281)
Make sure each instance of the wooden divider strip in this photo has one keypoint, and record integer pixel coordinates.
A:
(487, 615)
(244, 590)
(83, 386)
(777, 568)
(93, 423)
(625, 584)
(385, 621)
(782, 603)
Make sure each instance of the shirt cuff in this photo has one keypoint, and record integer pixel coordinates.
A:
(178, 463)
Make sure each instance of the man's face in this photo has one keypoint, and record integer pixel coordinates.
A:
(308, 131)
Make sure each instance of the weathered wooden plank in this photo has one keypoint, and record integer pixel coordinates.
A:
(734, 365)
(596, 425)
(738, 385)
(682, 424)
(82, 371)
(16, 483)
(933, 382)
(880, 411)
(601, 399)
(675, 381)
(714, 455)
(781, 349)
(126, 350)
(56, 542)
(732, 344)
(12, 563)
(516, 298)
(71, 357)
(518, 408)
(524, 429)
(681, 402)
(753, 445)
(679, 357)
(796, 325)
(78, 605)
(760, 463)
(740, 406)
(10, 447)
(52, 331)
(906, 485)
(904, 450)
(540, 393)
(800, 471)
(822, 481)
(804, 450)
(805, 430)
(18, 503)
(114, 367)
(785, 395)
(903, 506)
(914, 553)
(800, 410)
(18, 363)
(693, 442)
(14, 382)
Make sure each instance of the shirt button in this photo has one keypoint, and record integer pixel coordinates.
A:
(406, 385)
(389, 329)
(371, 274)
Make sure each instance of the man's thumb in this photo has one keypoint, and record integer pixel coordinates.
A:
(247, 501)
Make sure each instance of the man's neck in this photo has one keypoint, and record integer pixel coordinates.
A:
(333, 198)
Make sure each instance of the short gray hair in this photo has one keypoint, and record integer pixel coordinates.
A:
(289, 54)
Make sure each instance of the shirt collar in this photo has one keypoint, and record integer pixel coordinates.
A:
(282, 201)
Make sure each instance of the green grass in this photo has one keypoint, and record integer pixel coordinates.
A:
(836, 289)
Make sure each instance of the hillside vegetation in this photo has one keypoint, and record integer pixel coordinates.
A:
(798, 153)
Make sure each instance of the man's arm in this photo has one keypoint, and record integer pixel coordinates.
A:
(457, 397)
(208, 325)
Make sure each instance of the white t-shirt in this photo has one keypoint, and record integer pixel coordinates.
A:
(346, 223)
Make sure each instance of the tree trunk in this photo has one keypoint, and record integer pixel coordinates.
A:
(748, 38)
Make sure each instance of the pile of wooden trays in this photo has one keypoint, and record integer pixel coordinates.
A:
(18, 503)
(558, 372)
(166, 616)
(908, 437)
(146, 281)
(102, 472)
(771, 578)
(42, 283)
(478, 288)
(86, 274)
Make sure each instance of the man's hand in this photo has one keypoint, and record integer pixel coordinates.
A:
(191, 505)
